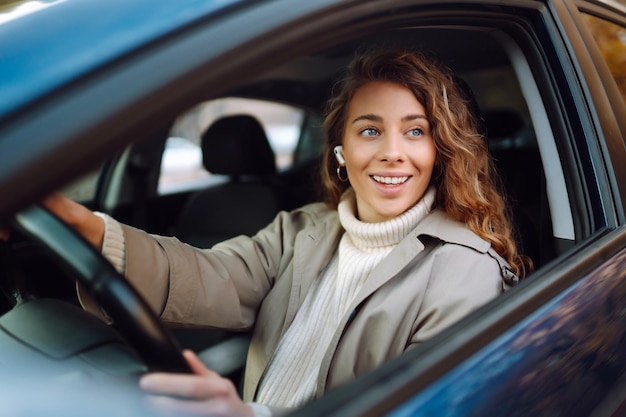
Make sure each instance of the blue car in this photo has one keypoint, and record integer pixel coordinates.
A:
(108, 102)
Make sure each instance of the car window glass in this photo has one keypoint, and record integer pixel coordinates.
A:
(181, 165)
(611, 39)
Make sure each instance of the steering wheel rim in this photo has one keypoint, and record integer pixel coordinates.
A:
(125, 306)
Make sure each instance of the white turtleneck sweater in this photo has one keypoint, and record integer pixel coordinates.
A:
(292, 374)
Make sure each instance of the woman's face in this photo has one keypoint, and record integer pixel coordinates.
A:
(389, 150)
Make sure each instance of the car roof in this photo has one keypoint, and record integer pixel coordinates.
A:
(74, 38)
(59, 41)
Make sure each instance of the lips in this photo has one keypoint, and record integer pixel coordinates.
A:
(390, 180)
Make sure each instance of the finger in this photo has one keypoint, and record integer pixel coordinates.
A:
(186, 385)
(196, 365)
(4, 233)
(54, 201)
(168, 384)
(176, 407)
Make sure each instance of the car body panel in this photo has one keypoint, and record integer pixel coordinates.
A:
(81, 37)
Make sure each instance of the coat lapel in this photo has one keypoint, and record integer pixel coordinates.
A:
(436, 224)
(313, 252)
(389, 267)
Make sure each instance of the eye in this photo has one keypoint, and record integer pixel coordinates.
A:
(416, 132)
(369, 132)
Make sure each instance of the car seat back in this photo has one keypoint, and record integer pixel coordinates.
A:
(236, 146)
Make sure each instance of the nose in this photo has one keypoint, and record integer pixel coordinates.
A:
(391, 148)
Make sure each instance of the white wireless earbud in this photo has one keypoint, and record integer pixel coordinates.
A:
(338, 154)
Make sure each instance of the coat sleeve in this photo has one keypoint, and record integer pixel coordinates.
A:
(462, 279)
(218, 287)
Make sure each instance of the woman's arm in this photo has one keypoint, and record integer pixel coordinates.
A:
(83, 220)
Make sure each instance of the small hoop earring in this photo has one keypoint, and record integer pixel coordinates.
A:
(342, 179)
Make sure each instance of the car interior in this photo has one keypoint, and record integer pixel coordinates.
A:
(245, 186)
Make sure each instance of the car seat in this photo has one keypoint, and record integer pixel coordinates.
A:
(238, 147)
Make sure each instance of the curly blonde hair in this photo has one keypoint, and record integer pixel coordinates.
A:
(464, 175)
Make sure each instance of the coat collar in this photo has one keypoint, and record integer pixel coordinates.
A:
(437, 224)
(316, 249)
(442, 227)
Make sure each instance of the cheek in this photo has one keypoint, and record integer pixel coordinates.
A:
(434, 160)
(428, 159)
(356, 157)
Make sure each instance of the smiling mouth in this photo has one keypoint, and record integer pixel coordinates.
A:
(390, 180)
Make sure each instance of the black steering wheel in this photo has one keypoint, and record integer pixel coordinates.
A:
(131, 314)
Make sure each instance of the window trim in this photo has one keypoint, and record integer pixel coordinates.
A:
(557, 192)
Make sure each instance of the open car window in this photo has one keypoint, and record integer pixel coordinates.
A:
(521, 126)
(521, 141)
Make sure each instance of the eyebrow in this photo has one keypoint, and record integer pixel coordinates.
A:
(376, 118)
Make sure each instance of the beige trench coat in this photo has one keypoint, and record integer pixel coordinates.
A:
(438, 274)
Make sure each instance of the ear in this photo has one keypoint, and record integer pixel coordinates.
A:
(338, 150)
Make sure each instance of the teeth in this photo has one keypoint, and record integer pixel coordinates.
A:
(390, 180)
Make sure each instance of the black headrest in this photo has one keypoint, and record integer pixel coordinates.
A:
(237, 145)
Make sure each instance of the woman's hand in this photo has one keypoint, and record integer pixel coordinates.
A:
(83, 220)
(205, 393)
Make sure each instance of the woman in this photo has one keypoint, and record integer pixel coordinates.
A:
(413, 236)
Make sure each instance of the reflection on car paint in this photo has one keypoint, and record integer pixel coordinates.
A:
(575, 343)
